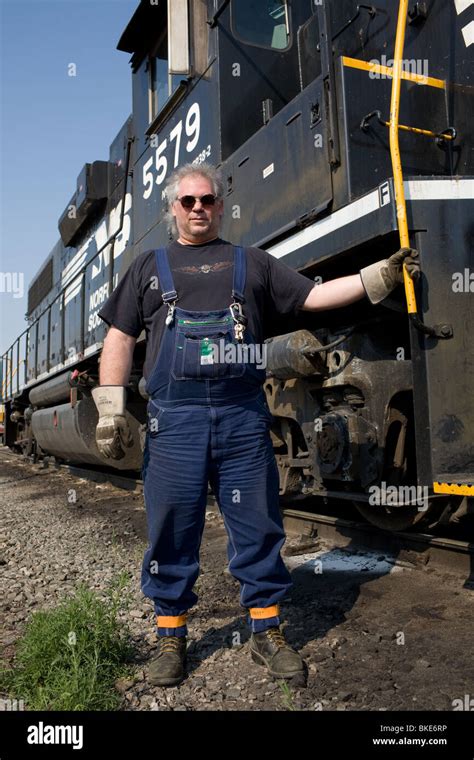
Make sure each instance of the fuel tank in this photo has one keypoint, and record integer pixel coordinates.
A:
(68, 432)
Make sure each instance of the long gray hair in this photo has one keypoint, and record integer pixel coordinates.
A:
(201, 170)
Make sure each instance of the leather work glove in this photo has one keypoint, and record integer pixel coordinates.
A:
(381, 278)
(112, 434)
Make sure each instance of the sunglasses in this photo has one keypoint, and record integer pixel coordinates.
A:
(188, 201)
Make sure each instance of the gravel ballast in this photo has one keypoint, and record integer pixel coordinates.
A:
(375, 635)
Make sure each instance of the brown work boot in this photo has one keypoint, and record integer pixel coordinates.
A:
(167, 667)
(271, 649)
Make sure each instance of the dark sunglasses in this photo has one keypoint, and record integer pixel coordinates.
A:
(188, 201)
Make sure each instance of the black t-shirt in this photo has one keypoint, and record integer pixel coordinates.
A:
(202, 277)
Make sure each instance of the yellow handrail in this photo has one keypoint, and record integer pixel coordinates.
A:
(6, 378)
(395, 150)
(9, 379)
(438, 331)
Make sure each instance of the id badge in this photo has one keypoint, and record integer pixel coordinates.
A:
(207, 353)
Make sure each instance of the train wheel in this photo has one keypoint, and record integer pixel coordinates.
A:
(402, 518)
(399, 471)
(438, 515)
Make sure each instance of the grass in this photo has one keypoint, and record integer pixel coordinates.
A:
(287, 695)
(70, 657)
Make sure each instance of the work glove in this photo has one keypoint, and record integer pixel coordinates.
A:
(381, 278)
(112, 434)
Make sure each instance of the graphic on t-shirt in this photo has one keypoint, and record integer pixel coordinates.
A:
(219, 266)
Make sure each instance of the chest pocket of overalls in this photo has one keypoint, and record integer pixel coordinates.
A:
(206, 348)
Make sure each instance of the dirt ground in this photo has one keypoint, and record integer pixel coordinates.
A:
(376, 634)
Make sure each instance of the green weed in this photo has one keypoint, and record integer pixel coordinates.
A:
(70, 656)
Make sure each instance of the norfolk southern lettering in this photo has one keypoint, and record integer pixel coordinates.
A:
(45, 734)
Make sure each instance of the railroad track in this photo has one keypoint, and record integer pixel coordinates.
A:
(411, 548)
(448, 552)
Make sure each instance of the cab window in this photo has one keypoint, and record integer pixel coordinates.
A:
(161, 84)
(264, 23)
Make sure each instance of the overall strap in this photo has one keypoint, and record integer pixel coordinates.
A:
(164, 276)
(240, 274)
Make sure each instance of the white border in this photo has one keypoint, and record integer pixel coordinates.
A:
(415, 190)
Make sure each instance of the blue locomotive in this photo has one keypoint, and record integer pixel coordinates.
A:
(342, 130)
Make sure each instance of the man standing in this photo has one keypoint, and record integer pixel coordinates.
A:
(208, 420)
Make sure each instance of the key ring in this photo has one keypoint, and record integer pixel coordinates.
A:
(170, 315)
(240, 320)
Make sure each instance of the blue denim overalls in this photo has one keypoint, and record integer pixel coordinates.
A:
(208, 422)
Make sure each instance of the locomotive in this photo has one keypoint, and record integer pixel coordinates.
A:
(343, 130)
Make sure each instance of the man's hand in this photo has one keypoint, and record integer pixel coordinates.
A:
(113, 434)
(381, 278)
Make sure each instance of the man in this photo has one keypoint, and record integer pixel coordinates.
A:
(208, 420)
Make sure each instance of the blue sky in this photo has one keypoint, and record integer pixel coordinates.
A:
(51, 124)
